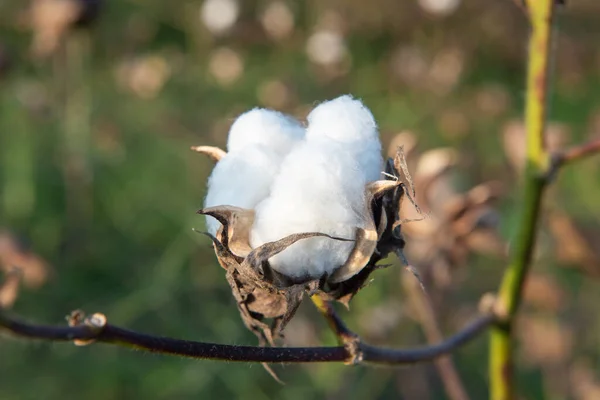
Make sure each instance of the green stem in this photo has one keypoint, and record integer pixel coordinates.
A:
(509, 297)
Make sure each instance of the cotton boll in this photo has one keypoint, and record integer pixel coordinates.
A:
(277, 131)
(344, 119)
(242, 178)
(311, 194)
(348, 122)
(258, 141)
(320, 188)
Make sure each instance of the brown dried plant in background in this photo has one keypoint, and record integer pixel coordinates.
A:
(50, 20)
(457, 224)
(19, 265)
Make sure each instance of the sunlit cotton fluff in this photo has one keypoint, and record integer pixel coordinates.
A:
(320, 188)
(258, 141)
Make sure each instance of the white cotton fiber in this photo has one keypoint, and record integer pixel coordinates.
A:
(258, 141)
(347, 122)
(320, 188)
(272, 129)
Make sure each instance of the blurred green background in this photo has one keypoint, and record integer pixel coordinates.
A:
(100, 102)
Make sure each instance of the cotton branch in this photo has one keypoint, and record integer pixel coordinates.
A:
(574, 154)
(346, 337)
(96, 328)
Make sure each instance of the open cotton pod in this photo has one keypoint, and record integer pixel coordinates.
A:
(323, 223)
(263, 293)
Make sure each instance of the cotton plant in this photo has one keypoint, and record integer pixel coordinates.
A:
(295, 208)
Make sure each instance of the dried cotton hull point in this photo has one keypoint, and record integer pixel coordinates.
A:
(320, 187)
(257, 144)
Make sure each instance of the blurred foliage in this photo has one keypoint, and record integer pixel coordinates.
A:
(100, 102)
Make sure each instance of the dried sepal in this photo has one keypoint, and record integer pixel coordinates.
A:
(366, 238)
(258, 259)
(385, 202)
(366, 241)
(378, 188)
(214, 153)
(260, 292)
(226, 258)
(381, 225)
(236, 224)
(400, 165)
(390, 238)
(242, 288)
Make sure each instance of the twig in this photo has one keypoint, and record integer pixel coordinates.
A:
(335, 321)
(347, 338)
(97, 329)
(573, 154)
(501, 363)
(427, 319)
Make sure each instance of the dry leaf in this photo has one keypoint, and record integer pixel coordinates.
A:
(545, 342)
(544, 292)
(14, 254)
(572, 245)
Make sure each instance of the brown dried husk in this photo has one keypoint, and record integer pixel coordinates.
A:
(264, 294)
